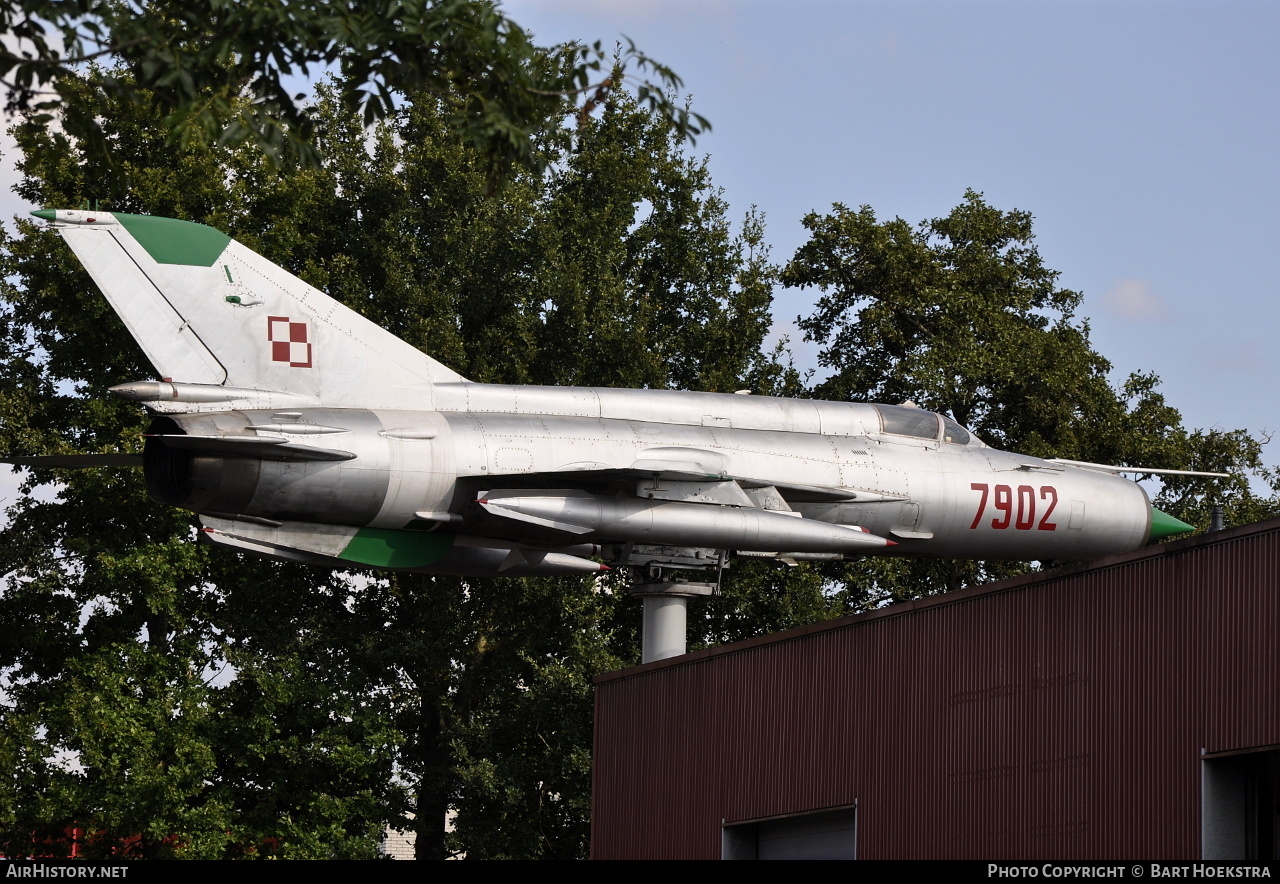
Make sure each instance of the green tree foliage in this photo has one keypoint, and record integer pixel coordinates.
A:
(222, 707)
(961, 316)
(219, 70)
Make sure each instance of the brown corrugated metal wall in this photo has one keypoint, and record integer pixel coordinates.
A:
(1055, 717)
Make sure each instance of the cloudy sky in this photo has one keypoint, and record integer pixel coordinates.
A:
(1141, 135)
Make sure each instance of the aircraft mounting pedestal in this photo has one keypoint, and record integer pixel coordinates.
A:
(663, 630)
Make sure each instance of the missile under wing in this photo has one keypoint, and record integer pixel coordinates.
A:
(299, 430)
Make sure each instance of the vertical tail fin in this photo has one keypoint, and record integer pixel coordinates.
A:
(207, 310)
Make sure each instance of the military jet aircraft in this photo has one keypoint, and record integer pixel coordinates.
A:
(299, 430)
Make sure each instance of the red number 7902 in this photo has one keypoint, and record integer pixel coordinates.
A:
(1015, 508)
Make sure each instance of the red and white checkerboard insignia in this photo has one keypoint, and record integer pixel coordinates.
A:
(289, 342)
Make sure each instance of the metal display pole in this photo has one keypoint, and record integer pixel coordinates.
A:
(664, 628)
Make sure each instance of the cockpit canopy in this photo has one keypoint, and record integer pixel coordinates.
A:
(903, 420)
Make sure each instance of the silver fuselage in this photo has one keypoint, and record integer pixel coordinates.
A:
(829, 462)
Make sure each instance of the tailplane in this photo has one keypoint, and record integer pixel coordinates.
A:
(207, 310)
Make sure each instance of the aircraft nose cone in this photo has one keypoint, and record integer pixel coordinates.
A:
(1164, 525)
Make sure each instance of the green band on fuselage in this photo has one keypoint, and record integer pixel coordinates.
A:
(389, 548)
(170, 241)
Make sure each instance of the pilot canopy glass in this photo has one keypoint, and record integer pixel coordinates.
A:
(900, 420)
(953, 432)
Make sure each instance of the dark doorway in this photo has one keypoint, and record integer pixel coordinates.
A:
(1240, 818)
(829, 834)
